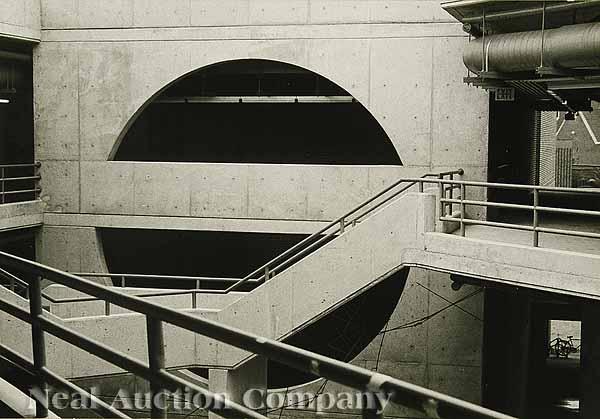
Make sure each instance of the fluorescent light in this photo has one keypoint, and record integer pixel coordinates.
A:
(4, 100)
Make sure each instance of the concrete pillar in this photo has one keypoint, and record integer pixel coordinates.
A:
(235, 383)
(590, 361)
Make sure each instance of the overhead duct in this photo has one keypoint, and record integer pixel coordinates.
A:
(568, 47)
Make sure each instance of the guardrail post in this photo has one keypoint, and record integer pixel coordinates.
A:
(536, 203)
(342, 225)
(106, 308)
(442, 196)
(156, 360)
(451, 193)
(267, 273)
(2, 187)
(123, 282)
(36, 183)
(463, 208)
(39, 345)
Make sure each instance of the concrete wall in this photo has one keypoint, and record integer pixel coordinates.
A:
(20, 19)
(100, 62)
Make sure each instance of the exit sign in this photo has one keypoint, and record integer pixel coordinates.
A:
(505, 94)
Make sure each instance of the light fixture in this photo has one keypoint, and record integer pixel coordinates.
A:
(4, 101)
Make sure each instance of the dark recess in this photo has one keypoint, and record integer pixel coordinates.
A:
(267, 133)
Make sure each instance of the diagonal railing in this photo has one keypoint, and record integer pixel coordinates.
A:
(431, 403)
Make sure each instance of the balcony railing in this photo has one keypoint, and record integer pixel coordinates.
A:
(431, 403)
(19, 182)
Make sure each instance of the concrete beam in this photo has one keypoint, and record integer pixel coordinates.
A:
(21, 215)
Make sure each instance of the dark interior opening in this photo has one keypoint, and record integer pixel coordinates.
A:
(256, 111)
(16, 104)
(525, 149)
(190, 253)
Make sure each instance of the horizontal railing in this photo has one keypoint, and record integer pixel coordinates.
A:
(429, 402)
(19, 182)
(447, 202)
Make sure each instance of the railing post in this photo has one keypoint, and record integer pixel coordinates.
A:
(420, 187)
(156, 360)
(536, 203)
(342, 226)
(36, 183)
(451, 193)
(267, 273)
(2, 187)
(123, 281)
(442, 196)
(194, 300)
(39, 345)
(463, 208)
(106, 308)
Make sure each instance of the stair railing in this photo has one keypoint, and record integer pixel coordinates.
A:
(337, 226)
(431, 403)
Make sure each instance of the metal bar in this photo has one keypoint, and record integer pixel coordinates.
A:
(543, 33)
(107, 308)
(526, 207)
(154, 277)
(2, 189)
(256, 99)
(442, 206)
(463, 209)
(38, 345)
(577, 191)
(14, 179)
(536, 202)
(488, 223)
(156, 357)
(22, 191)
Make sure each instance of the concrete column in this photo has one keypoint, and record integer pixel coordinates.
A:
(590, 361)
(235, 383)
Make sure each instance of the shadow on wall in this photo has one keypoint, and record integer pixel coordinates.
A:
(257, 111)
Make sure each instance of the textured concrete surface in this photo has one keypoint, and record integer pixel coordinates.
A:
(20, 19)
(72, 249)
(21, 215)
(100, 62)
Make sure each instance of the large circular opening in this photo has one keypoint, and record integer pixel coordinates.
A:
(256, 111)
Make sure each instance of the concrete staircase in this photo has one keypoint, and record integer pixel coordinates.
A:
(399, 235)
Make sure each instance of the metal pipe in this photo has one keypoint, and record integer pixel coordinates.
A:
(568, 47)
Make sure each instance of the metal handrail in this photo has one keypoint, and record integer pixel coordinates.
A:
(427, 401)
(267, 270)
(445, 205)
(5, 180)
